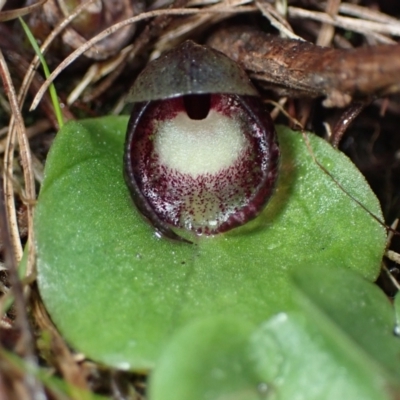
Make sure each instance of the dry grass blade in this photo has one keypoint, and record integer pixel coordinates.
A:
(276, 20)
(327, 31)
(392, 255)
(9, 198)
(366, 13)
(192, 23)
(110, 77)
(111, 67)
(26, 165)
(143, 16)
(364, 27)
(20, 12)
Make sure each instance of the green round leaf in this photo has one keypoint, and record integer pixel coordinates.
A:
(309, 364)
(207, 360)
(117, 292)
(287, 357)
(355, 312)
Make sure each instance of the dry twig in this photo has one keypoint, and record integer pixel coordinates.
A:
(301, 69)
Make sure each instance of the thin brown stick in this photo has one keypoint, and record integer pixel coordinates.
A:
(8, 167)
(345, 120)
(276, 20)
(113, 70)
(327, 31)
(19, 12)
(354, 24)
(38, 127)
(393, 256)
(393, 229)
(302, 69)
(389, 274)
(194, 22)
(366, 13)
(25, 154)
(9, 200)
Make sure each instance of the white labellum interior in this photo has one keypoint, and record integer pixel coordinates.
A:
(198, 147)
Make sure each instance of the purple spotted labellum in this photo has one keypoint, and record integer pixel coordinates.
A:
(201, 151)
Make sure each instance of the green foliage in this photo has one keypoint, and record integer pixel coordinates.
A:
(120, 294)
(339, 346)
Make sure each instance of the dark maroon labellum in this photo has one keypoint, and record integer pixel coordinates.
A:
(204, 162)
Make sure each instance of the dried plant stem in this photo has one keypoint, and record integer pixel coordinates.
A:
(111, 67)
(327, 31)
(26, 161)
(357, 25)
(8, 171)
(278, 107)
(301, 69)
(168, 38)
(345, 120)
(9, 198)
(276, 20)
(366, 13)
(388, 273)
(19, 12)
(393, 229)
